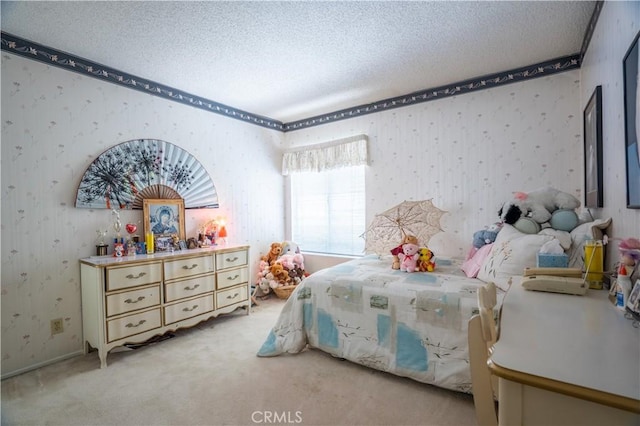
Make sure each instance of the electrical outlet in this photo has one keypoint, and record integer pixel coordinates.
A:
(57, 326)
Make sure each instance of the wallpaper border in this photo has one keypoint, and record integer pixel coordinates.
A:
(480, 83)
(50, 56)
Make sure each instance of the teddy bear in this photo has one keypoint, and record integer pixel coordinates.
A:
(397, 250)
(280, 274)
(409, 257)
(487, 235)
(537, 205)
(274, 252)
(425, 260)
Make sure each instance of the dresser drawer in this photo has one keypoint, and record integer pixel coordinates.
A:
(182, 268)
(231, 296)
(133, 324)
(132, 276)
(189, 287)
(120, 303)
(233, 277)
(188, 308)
(231, 259)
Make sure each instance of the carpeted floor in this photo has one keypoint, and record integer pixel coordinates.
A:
(210, 375)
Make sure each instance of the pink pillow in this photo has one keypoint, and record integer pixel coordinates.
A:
(471, 266)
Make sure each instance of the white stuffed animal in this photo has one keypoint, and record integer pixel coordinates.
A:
(537, 205)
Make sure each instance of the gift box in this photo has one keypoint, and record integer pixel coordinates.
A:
(546, 260)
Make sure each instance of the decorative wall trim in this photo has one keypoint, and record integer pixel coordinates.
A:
(28, 49)
(38, 52)
(513, 76)
(591, 28)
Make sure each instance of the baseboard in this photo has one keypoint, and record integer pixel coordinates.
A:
(41, 364)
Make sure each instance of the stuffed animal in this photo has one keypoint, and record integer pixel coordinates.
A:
(425, 260)
(289, 247)
(274, 253)
(486, 236)
(280, 275)
(397, 250)
(409, 257)
(537, 205)
(292, 261)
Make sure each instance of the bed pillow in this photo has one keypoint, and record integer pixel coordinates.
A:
(512, 252)
(579, 235)
(471, 266)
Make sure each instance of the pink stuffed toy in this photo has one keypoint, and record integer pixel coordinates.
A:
(291, 261)
(409, 257)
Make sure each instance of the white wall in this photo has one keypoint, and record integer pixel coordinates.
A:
(618, 24)
(54, 124)
(469, 152)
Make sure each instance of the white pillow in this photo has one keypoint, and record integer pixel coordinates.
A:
(512, 252)
(579, 235)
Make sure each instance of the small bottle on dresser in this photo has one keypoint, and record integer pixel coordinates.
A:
(623, 283)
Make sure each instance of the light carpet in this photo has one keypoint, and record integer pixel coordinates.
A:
(210, 375)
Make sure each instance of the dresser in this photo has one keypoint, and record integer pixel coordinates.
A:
(565, 359)
(131, 299)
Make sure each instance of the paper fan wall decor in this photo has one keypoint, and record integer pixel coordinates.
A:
(127, 173)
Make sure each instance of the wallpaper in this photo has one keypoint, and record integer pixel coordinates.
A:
(54, 124)
(469, 153)
(618, 24)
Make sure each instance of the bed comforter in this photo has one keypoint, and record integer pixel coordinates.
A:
(408, 324)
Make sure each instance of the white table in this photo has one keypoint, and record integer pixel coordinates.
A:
(566, 359)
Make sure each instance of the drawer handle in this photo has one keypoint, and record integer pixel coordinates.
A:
(232, 260)
(235, 277)
(192, 309)
(195, 265)
(135, 277)
(139, 299)
(234, 296)
(130, 325)
(192, 288)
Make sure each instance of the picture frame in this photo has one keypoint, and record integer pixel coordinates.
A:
(633, 304)
(630, 65)
(182, 244)
(164, 217)
(593, 150)
(163, 243)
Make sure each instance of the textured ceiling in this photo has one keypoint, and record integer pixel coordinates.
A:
(294, 60)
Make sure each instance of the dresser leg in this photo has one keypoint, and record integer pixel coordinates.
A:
(102, 354)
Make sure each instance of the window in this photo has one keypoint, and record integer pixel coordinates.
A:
(328, 210)
(328, 195)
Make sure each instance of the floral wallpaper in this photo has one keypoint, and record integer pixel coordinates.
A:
(470, 152)
(55, 123)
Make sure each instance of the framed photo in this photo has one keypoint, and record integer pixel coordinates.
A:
(164, 243)
(632, 123)
(164, 217)
(593, 150)
(182, 244)
(633, 304)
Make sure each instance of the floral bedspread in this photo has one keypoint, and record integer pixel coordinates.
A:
(409, 324)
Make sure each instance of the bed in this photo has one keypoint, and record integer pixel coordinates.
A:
(408, 324)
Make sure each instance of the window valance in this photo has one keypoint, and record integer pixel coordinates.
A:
(345, 152)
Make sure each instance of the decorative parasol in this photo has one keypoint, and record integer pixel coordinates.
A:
(387, 229)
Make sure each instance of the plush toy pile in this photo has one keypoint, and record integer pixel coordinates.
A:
(282, 266)
(410, 257)
(539, 207)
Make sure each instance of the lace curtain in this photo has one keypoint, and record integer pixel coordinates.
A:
(331, 155)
